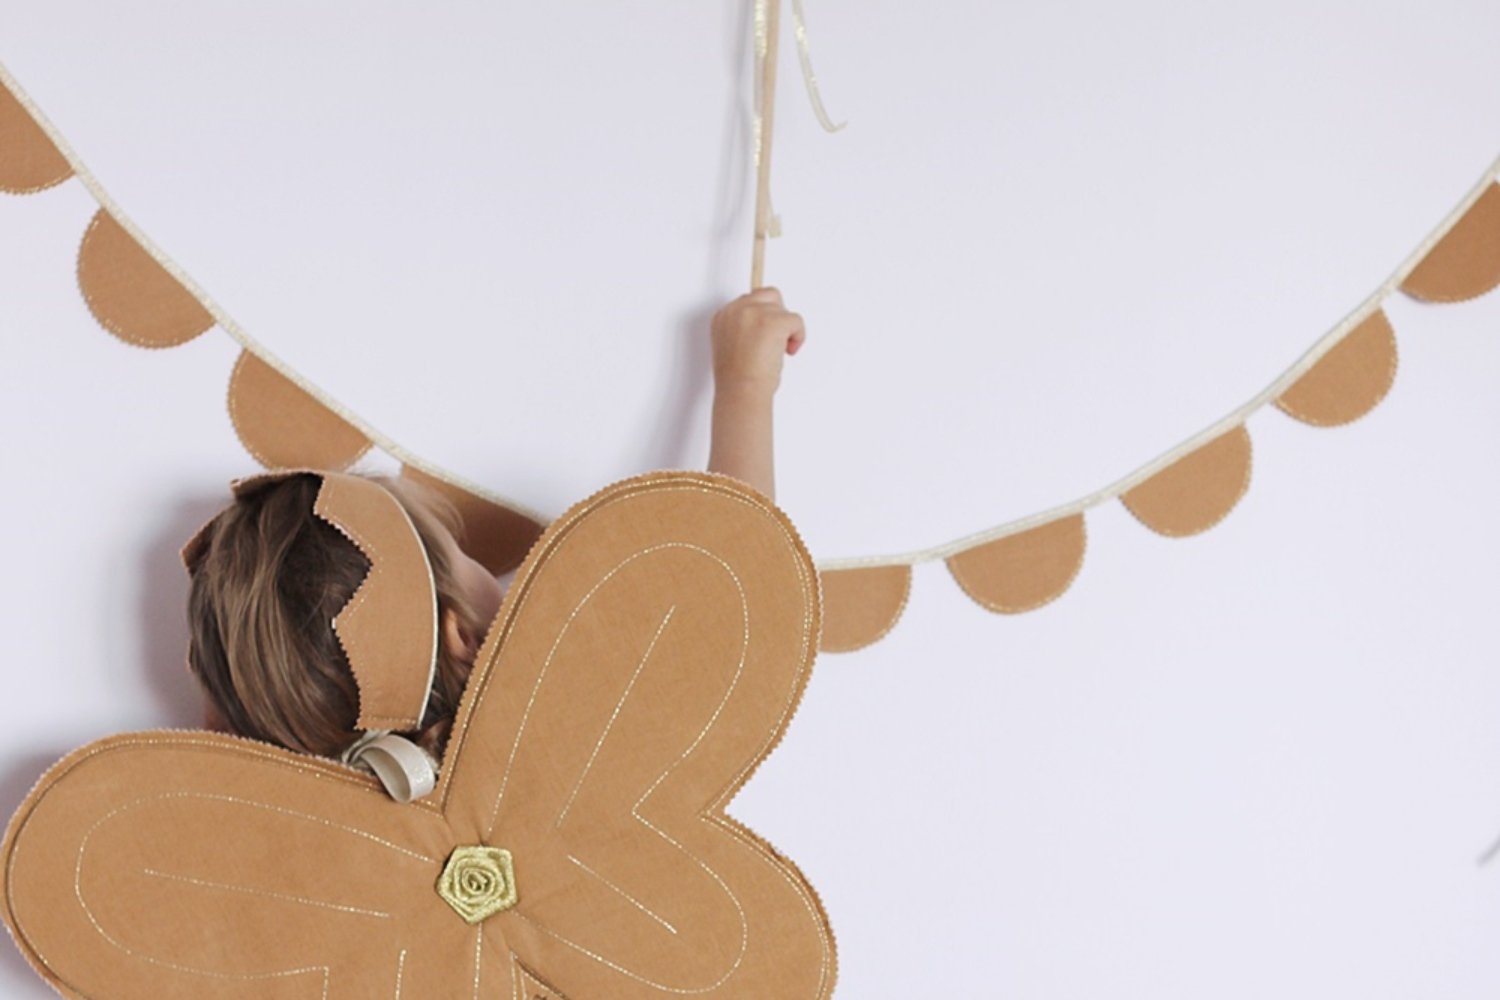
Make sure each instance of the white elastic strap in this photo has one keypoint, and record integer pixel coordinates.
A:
(402, 767)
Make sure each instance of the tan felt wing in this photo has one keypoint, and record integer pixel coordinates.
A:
(649, 654)
(187, 865)
(647, 658)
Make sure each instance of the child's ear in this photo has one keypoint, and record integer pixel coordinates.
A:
(456, 637)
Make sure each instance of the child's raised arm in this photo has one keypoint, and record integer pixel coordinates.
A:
(750, 336)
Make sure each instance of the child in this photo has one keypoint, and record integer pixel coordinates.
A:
(274, 574)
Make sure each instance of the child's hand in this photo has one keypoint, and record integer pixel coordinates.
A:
(750, 335)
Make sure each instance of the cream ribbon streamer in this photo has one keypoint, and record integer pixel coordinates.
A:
(799, 17)
(402, 767)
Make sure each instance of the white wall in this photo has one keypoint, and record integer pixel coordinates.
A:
(1054, 241)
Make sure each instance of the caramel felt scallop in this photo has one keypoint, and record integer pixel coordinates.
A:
(1198, 490)
(29, 160)
(283, 426)
(861, 605)
(496, 535)
(1465, 263)
(130, 293)
(1023, 571)
(1349, 380)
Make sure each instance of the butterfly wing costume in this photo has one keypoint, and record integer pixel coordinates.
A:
(649, 654)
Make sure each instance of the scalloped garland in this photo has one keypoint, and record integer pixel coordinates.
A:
(141, 296)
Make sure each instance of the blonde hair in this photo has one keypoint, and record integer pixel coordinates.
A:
(264, 592)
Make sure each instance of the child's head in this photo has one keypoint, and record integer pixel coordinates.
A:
(264, 593)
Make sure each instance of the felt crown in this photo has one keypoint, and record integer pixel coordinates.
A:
(388, 629)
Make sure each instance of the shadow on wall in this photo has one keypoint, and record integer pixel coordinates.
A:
(162, 657)
(1490, 853)
(727, 266)
(665, 442)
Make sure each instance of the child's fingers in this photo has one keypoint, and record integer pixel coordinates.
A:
(768, 293)
(798, 335)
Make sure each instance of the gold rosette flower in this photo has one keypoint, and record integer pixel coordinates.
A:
(478, 882)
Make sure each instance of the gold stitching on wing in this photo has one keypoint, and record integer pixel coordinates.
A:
(628, 897)
(562, 633)
(478, 952)
(577, 785)
(745, 837)
(267, 893)
(626, 972)
(562, 529)
(702, 734)
(241, 977)
(749, 839)
(713, 720)
(400, 970)
(293, 813)
(542, 676)
(317, 768)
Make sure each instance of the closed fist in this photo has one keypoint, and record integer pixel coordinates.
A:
(750, 336)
